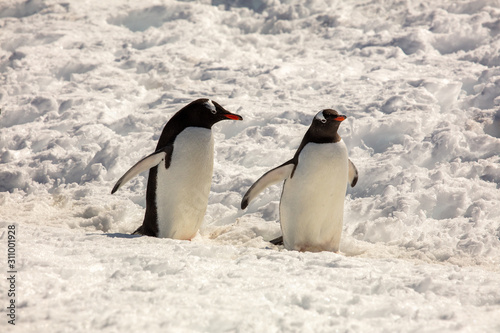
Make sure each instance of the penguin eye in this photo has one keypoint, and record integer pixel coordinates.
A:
(214, 111)
(323, 120)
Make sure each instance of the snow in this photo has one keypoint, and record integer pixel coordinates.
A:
(86, 87)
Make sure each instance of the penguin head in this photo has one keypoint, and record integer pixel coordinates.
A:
(326, 124)
(205, 113)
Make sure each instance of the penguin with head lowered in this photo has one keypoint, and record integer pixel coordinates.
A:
(180, 172)
(312, 200)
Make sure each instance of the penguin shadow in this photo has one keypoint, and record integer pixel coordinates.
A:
(121, 235)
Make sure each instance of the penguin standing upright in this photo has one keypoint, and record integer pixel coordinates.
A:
(180, 172)
(312, 200)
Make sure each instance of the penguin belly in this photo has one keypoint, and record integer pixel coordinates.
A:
(312, 202)
(182, 190)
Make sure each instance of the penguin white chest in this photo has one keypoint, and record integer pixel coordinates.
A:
(182, 189)
(312, 203)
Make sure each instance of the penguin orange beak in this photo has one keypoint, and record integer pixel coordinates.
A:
(233, 116)
(340, 118)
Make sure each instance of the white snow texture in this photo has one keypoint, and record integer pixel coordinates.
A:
(87, 86)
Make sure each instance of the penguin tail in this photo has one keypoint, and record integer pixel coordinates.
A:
(277, 241)
(139, 231)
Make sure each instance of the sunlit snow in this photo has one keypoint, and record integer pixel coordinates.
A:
(87, 86)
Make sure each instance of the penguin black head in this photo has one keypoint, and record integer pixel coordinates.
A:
(325, 126)
(200, 113)
(205, 113)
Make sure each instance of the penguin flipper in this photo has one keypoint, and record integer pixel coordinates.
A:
(269, 178)
(145, 164)
(353, 174)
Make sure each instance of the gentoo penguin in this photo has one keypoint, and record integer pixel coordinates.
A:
(180, 172)
(312, 200)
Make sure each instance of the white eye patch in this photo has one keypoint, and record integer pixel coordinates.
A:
(320, 117)
(210, 106)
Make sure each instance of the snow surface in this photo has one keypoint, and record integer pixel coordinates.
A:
(86, 87)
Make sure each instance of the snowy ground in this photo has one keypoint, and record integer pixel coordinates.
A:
(86, 87)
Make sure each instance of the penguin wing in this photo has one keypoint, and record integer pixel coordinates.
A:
(146, 163)
(269, 178)
(353, 174)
